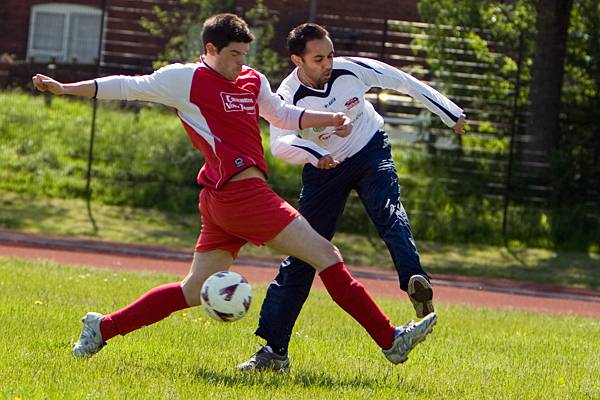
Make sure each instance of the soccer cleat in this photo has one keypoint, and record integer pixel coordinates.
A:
(90, 341)
(420, 294)
(407, 337)
(266, 360)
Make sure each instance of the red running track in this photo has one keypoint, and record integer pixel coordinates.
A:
(495, 293)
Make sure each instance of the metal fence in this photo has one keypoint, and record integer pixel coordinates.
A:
(486, 160)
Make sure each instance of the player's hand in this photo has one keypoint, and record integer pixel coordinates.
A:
(327, 162)
(343, 124)
(44, 83)
(459, 127)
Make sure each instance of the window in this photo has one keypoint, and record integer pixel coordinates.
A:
(65, 32)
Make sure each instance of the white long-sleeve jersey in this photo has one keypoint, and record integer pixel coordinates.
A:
(351, 78)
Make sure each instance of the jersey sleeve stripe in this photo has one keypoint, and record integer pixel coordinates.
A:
(309, 150)
(300, 119)
(362, 64)
(448, 113)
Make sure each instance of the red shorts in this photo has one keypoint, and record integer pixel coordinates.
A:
(241, 212)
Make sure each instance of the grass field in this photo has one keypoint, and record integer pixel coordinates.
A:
(472, 354)
(135, 225)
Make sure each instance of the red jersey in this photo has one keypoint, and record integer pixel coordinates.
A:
(219, 115)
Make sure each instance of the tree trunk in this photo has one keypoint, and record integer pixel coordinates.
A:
(543, 125)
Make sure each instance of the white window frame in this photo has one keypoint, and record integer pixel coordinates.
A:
(62, 9)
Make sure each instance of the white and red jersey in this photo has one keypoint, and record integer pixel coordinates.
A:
(220, 116)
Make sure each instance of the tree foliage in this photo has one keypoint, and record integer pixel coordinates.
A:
(492, 31)
(182, 25)
(486, 34)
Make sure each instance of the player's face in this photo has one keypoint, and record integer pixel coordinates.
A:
(229, 61)
(317, 61)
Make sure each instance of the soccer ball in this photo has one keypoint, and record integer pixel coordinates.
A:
(226, 296)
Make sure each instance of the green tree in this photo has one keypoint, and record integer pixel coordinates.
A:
(577, 162)
(491, 31)
(543, 123)
(182, 25)
(262, 57)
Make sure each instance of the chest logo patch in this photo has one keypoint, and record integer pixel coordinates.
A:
(243, 102)
(351, 103)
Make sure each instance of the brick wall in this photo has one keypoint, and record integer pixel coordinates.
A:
(14, 28)
(291, 13)
(129, 48)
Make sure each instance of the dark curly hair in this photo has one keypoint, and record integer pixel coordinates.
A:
(300, 35)
(222, 29)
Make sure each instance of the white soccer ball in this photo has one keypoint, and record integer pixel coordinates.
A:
(226, 296)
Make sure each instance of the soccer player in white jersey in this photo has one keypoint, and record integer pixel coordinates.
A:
(334, 165)
(218, 101)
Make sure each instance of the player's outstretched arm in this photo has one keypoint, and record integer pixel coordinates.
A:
(378, 74)
(44, 83)
(169, 85)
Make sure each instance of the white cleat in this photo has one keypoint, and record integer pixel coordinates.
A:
(408, 336)
(90, 341)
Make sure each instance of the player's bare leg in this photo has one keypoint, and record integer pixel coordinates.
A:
(300, 240)
(204, 265)
(153, 306)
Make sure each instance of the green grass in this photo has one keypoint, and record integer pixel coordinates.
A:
(472, 354)
(147, 226)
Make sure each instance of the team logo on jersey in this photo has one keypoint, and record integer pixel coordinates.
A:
(325, 136)
(330, 102)
(239, 162)
(351, 103)
(244, 102)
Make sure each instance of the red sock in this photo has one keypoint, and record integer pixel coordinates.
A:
(352, 296)
(153, 306)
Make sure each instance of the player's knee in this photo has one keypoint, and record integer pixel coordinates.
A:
(329, 255)
(191, 286)
(336, 253)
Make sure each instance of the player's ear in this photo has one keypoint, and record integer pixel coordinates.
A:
(211, 49)
(297, 60)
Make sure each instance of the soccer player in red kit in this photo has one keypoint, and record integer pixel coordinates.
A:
(219, 100)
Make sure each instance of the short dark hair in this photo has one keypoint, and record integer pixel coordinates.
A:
(222, 29)
(300, 35)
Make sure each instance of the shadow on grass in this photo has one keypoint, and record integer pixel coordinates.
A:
(21, 211)
(304, 378)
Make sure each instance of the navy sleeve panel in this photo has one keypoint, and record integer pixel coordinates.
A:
(304, 91)
(309, 150)
(362, 64)
(448, 113)
(300, 119)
